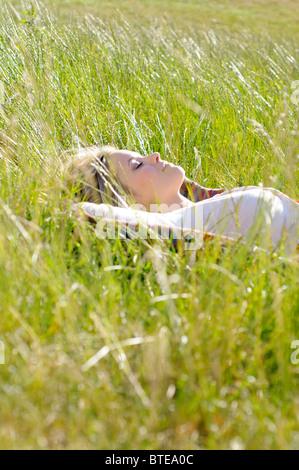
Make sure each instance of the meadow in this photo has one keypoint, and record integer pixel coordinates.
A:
(191, 349)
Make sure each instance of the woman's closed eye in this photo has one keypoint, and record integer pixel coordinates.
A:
(137, 164)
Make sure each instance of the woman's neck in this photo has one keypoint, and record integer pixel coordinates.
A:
(174, 203)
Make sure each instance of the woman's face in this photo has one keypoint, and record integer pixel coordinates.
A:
(150, 179)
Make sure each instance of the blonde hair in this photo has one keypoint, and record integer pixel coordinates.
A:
(88, 176)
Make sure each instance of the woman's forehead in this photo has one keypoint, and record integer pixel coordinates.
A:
(119, 160)
(125, 154)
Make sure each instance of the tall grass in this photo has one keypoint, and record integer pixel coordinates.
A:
(198, 344)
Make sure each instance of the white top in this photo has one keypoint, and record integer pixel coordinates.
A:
(248, 212)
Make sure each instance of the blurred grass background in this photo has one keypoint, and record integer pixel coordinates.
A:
(230, 16)
(209, 86)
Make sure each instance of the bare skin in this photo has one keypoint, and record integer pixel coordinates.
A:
(154, 183)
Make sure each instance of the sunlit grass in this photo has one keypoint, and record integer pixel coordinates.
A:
(229, 16)
(213, 369)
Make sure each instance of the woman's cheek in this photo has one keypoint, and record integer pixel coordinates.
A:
(147, 177)
(142, 184)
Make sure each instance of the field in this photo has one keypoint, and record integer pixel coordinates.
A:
(196, 347)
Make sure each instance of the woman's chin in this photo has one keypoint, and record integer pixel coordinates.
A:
(181, 174)
(175, 177)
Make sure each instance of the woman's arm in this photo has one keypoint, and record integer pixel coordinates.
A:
(195, 192)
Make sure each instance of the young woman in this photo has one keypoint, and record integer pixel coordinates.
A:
(158, 190)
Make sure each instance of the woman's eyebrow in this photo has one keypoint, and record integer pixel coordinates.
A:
(133, 158)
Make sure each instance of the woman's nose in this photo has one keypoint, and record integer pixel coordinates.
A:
(153, 158)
